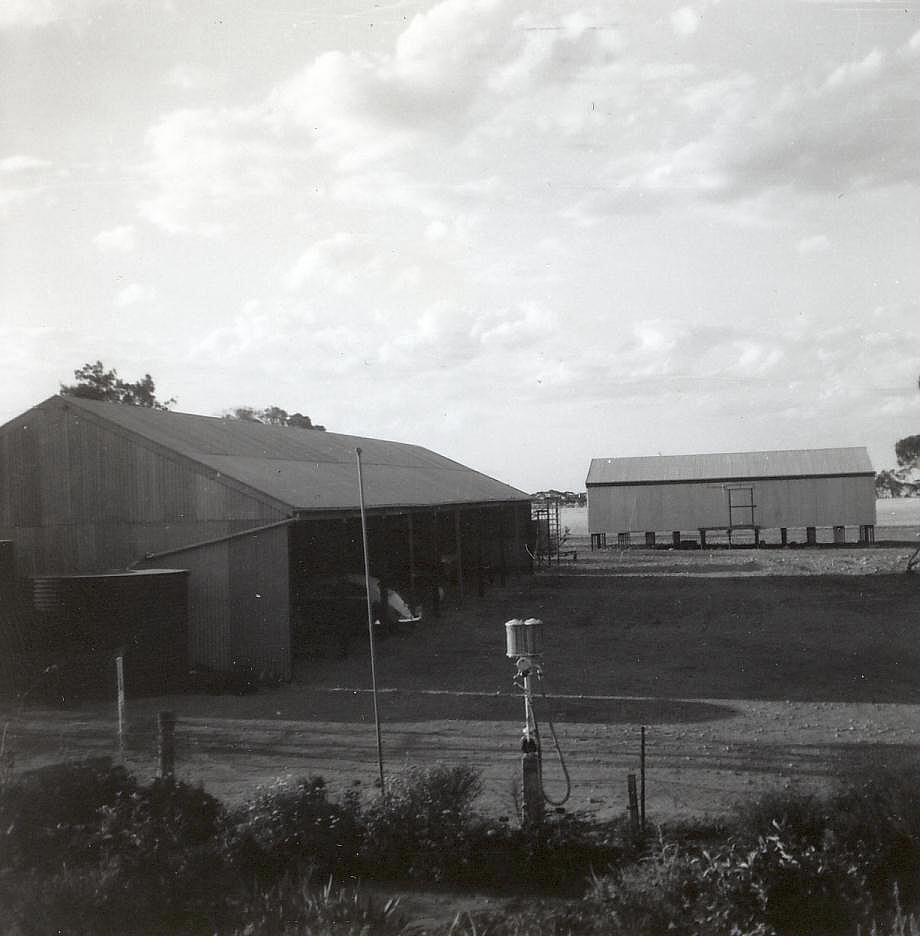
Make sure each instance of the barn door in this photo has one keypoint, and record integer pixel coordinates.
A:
(741, 507)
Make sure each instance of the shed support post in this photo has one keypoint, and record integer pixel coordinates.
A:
(840, 535)
(702, 539)
(756, 536)
(502, 566)
(413, 598)
(811, 535)
(650, 538)
(480, 580)
(675, 537)
(783, 535)
(166, 745)
(516, 538)
(435, 566)
(459, 537)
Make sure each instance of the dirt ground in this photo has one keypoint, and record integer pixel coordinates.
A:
(750, 669)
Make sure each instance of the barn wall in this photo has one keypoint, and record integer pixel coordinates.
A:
(818, 502)
(77, 496)
(239, 605)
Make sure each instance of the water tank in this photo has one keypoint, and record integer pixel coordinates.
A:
(85, 621)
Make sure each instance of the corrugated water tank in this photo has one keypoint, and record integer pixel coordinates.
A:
(85, 621)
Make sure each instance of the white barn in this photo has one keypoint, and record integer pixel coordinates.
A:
(755, 491)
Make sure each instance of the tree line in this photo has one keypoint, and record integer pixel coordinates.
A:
(93, 381)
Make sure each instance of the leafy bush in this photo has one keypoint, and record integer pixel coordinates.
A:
(51, 815)
(293, 907)
(167, 844)
(877, 822)
(420, 829)
(291, 824)
(776, 885)
(558, 857)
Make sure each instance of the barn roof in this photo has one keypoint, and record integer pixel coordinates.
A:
(734, 466)
(305, 469)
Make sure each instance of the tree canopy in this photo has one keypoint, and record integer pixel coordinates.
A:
(272, 416)
(907, 451)
(94, 382)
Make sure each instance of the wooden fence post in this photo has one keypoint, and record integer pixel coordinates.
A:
(633, 803)
(166, 745)
(642, 781)
(120, 689)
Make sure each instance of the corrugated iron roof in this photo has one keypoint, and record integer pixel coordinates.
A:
(794, 463)
(307, 469)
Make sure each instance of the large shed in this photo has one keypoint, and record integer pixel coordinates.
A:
(262, 517)
(803, 488)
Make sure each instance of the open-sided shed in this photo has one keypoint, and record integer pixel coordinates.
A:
(257, 515)
(806, 488)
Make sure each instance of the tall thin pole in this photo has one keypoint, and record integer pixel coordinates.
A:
(642, 781)
(120, 690)
(370, 615)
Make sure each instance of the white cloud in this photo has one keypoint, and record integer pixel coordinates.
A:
(21, 163)
(815, 244)
(855, 73)
(134, 294)
(189, 77)
(31, 14)
(206, 163)
(22, 178)
(121, 238)
(331, 261)
(685, 21)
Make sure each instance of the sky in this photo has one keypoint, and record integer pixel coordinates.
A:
(522, 234)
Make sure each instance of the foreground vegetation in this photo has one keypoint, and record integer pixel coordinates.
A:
(86, 849)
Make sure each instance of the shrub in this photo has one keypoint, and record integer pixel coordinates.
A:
(877, 822)
(293, 824)
(291, 906)
(51, 815)
(167, 844)
(558, 857)
(420, 829)
(777, 885)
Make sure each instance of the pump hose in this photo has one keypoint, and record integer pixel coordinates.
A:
(562, 764)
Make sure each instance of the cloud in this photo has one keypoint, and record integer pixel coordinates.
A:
(21, 163)
(31, 14)
(204, 164)
(685, 21)
(134, 294)
(816, 244)
(413, 128)
(328, 262)
(121, 238)
(189, 77)
(22, 178)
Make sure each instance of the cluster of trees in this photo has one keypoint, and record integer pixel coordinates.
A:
(272, 416)
(565, 498)
(908, 451)
(94, 382)
(901, 482)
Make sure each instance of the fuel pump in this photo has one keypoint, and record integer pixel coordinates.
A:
(524, 645)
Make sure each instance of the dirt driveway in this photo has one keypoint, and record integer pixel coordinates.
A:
(750, 670)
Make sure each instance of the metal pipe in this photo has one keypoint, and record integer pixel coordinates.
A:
(370, 617)
(147, 557)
